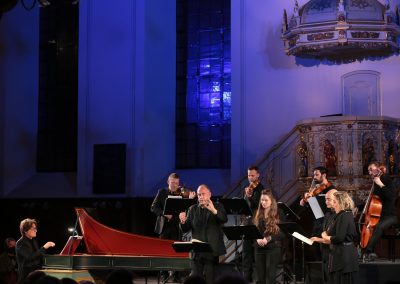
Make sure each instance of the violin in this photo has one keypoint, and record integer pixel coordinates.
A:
(183, 191)
(314, 191)
(249, 190)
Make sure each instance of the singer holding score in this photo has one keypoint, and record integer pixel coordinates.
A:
(205, 220)
(342, 235)
(384, 189)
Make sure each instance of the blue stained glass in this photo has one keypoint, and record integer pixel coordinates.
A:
(227, 115)
(216, 86)
(215, 116)
(227, 98)
(208, 77)
(215, 100)
(204, 100)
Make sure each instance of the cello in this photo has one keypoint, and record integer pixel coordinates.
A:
(371, 213)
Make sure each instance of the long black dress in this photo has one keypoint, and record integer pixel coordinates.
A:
(343, 256)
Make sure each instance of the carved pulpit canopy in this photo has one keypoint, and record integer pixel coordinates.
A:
(331, 28)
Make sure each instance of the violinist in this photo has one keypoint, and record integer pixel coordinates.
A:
(384, 189)
(319, 185)
(167, 226)
(251, 193)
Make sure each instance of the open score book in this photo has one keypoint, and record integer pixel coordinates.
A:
(303, 238)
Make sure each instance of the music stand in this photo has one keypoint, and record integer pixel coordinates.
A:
(289, 214)
(289, 228)
(71, 245)
(177, 205)
(236, 206)
(193, 246)
(242, 232)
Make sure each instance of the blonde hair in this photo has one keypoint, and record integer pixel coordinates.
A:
(344, 200)
(271, 218)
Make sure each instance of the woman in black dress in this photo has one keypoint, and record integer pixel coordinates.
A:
(268, 249)
(342, 236)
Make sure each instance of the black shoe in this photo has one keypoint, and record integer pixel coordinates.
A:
(369, 257)
(373, 256)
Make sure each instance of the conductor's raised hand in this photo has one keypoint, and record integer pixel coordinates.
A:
(48, 245)
(210, 206)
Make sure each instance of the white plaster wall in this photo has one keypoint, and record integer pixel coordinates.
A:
(272, 91)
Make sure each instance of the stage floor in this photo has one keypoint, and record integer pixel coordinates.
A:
(380, 271)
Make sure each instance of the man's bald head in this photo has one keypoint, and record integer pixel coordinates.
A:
(329, 198)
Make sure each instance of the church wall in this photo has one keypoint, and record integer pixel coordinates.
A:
(126, 88)
(18, 96)
(273, 91)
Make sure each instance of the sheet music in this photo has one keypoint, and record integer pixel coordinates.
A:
(191, 242)
(175, 196)
(316, 209)
(303, 238)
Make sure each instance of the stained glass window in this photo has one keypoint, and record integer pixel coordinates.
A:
(203, 84)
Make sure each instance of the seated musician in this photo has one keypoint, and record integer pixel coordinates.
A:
(382, 187)
(167, 226)
(29, 254)
(205, 220)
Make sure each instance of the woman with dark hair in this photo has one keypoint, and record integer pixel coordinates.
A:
(268, 249)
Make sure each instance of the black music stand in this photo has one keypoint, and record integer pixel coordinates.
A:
(289, 214)
(177, 205)
(236, 206)
(192, 246)
(289, 228)
(242, 232)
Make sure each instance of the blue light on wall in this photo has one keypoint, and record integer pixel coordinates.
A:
(208, 86)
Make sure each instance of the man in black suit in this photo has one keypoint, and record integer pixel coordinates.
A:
(205, 220)
(167, 226)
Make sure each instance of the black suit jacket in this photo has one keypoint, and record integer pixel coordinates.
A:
(157, 207)
(207, 227)
(254, 200)
(29, 257)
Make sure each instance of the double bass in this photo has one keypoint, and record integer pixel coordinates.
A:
(371, 213)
